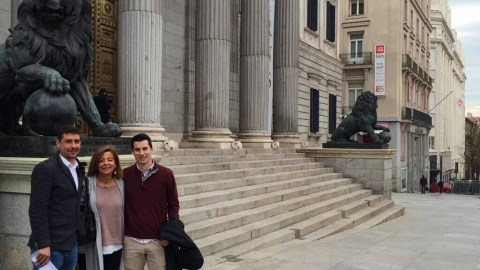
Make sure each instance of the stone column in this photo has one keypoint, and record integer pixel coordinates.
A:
(212, 75)
(14, 18)
(285, 73)
(254, 60)
(140, 68)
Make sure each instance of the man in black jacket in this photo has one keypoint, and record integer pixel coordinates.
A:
(55, 204)
(423, 183)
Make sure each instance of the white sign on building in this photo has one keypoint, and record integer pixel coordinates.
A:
(380, 70)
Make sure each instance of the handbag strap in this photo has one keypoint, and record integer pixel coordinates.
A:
(85, 192)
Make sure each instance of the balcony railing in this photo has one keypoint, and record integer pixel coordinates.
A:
(416, 116)
(363, 58)
(407, 62)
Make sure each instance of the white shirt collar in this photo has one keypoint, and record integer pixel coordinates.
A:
(67, 163)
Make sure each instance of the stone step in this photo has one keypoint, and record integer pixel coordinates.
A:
(320, 212)
(188, 152)
(352, 221)
(389, 214)
(240, 173)
(268, 240)
(197, 188)
(188, 160)
(215, 225)
(234, 165)
(224, 208)
(367, 213)
(315, 223)
(205, 198)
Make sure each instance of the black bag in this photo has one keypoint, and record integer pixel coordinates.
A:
(87, 229)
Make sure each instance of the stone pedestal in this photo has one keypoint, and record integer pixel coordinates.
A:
(371, 167)
(285, 74)
(140, 69)
(254, 61)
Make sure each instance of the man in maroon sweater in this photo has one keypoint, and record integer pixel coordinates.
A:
(150, 198)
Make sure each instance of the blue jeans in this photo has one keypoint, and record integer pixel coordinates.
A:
(62, 259)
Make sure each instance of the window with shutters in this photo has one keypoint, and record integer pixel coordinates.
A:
(312, 14)
(331, 22)
(314, 110)
(332, 113)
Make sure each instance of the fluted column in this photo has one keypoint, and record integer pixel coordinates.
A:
(140, 68)
(285, 73)
(212, 74)
(254, 60)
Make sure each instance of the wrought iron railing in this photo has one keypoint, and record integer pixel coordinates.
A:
(408, 62)
(416, 115)
(363, 58)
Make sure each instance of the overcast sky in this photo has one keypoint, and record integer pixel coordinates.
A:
(466, 21)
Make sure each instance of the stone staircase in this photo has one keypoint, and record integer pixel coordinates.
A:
(236, 201)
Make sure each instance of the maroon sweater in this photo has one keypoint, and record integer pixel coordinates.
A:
(147, 204)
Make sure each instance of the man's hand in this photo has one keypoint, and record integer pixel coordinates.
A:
(43, 256)
(164, 243)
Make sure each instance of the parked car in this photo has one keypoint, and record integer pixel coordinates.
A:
(447, 188)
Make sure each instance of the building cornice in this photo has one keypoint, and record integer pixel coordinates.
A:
(443, 22)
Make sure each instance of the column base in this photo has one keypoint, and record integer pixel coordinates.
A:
(255, 140)
(213, 139)
(155, 133)
(287, 140)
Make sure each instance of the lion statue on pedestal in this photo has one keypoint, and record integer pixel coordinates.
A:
(362, 119)
(50, 49)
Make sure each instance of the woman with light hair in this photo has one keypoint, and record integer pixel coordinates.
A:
(106, 189)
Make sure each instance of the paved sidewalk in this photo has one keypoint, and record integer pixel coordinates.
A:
(437, 232)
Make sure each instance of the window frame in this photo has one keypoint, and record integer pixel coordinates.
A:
(357, 4)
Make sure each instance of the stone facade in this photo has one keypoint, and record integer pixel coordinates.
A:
(404, 28)
(447, 67)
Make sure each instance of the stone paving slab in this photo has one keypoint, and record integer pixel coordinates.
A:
(437, 232)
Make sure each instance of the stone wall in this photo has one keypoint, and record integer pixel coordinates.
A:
(371, 167)
(14, 231)
(324, 73)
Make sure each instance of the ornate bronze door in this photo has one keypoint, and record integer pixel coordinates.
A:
(103, 74)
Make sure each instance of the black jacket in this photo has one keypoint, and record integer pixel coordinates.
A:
(181, 253)
(423, 181)
(54, 205)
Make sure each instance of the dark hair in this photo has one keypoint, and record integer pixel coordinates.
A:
(67, 130)
(141, 137)
(93, 167)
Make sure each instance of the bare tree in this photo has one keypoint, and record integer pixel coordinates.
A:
(472, 149)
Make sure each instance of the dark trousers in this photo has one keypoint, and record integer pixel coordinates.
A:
(110, 261)
(423, 189)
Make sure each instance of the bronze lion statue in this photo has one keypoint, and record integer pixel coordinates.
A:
(363, 118)
(50, 49)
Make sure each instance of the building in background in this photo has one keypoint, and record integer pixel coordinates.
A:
(447, 67)
(385, 46)
(162, 96)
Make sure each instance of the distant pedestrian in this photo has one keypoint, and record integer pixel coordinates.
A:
(423, 183)
(440, 186)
